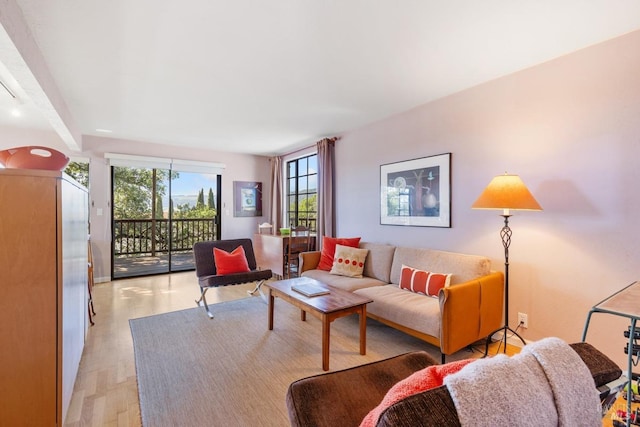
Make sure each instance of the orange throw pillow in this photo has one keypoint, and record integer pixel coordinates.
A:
(329, 249)
(422, 380)
(228, 263)
(423, 282)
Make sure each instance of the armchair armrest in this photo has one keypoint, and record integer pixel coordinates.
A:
(470, 311)
(309, 260)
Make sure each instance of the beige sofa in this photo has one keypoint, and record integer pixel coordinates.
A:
(465, 312)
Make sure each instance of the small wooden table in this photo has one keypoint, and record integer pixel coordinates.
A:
(337, 303)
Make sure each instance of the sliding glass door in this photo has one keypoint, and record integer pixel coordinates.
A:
(158, 214)
(194, 215)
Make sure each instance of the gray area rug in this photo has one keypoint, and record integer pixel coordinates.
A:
(233, 371)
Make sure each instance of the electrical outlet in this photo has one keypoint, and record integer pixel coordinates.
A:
(523, 320)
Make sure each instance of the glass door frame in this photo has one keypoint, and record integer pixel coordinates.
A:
(217, 223)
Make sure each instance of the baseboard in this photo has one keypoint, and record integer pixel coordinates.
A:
(516, 342)
(511, 340)
(101, 279)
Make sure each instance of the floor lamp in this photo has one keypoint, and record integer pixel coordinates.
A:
(506, 192)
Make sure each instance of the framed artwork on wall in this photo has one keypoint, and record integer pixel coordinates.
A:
(247, 198)
(416, 192)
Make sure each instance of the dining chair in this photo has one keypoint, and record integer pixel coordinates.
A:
(299, 241)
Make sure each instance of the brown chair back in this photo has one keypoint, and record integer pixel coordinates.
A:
(299, 242)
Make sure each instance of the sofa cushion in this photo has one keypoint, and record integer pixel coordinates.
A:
(603, 369)
(379, 259)
(420, 381)
(430, 408)
(343, 282)
(423, 282)
(348, 261)
(408, 309)
(463, 267)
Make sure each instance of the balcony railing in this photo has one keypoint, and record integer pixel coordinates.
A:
(151, 236)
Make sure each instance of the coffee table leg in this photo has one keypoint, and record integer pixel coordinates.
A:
(271, 304)
(326, 327)
(363, 330)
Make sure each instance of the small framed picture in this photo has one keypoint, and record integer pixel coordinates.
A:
(247, 198)
(416, 192)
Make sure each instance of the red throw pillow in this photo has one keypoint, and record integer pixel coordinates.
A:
(234, 262)
(422, 380)
(423, 282)
(329, 249)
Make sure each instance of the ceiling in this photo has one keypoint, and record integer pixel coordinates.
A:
(267, 77)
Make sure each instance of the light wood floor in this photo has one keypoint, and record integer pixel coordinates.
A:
(105, 392)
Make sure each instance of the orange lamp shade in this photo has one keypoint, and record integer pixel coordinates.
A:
(507, 192)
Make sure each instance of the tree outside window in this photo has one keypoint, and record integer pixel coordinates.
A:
(78, 171)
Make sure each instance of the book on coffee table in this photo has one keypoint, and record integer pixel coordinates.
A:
(310, 289)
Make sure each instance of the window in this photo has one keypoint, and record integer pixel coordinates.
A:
(78, 170)
(302, 192)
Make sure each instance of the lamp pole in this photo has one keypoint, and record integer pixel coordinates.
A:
(506, 192)
(505, 235)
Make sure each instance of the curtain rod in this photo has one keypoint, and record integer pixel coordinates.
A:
(300, 149)
(332, 139)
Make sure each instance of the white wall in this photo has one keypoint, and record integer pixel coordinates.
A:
(239, 167)
(571, 129)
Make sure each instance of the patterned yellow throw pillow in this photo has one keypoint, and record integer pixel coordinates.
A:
(348, 261)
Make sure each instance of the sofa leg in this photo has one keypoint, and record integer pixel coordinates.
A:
(442, 357)
(204, 301)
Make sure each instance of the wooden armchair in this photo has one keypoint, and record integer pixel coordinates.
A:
(207, 273)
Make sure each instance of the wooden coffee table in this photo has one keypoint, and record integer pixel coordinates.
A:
(337, 303)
